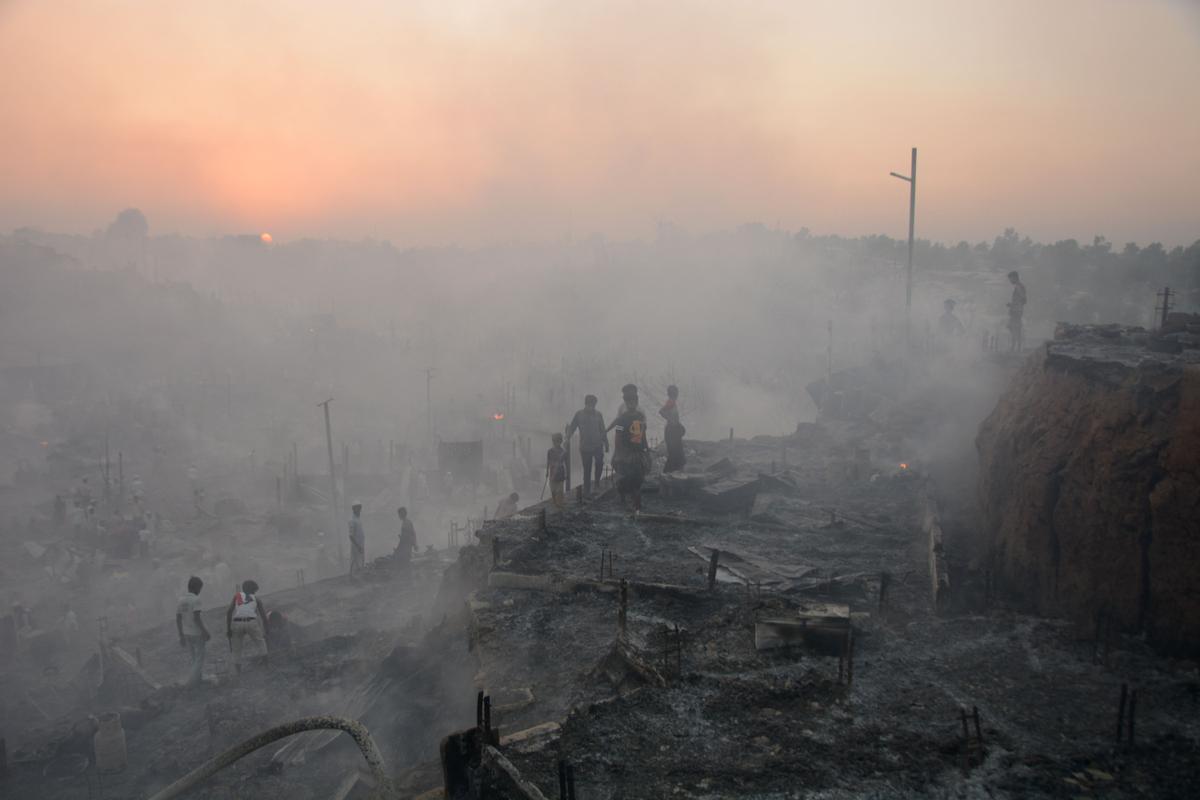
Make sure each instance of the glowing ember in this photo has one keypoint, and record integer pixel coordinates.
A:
(497, 416)
(904, 466)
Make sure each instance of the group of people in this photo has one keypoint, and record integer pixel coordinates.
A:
(246, 619)
(951, 327)
(405, 547)
(631, 452)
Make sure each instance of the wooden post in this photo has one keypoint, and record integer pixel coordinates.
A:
(1121, 711)
(335, 529)
(567, 463)
(1165, 308)
(1132, 713)
(622, 611)
(849, 656)
(962, 715)
(712, 569)
(107, 465)
(678, 651)
(912, 215)
(429, 373)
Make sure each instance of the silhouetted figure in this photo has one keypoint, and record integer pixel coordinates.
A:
(246, 618)
(358, 540)
(673, 434)
(192, 633)
(1016, 311)
(407, 545)
(950, 327)
(631, 452)
(593, 440)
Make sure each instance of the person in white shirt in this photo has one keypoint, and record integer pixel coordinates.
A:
(245, 619)
(192, 633)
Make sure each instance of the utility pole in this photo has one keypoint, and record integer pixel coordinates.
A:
(333, 513)
(912, 216)
(429, 373)
(1165, 308)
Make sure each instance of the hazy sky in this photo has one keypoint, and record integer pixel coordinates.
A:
(434, 122)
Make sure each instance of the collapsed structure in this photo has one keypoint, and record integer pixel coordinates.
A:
(1090, 480)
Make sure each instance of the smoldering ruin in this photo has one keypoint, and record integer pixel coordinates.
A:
(562, 401)
(968, 570)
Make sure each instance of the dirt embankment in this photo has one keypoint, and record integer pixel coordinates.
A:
(1090, 485)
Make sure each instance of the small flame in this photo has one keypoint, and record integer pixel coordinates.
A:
(903, 465)
(498, 416)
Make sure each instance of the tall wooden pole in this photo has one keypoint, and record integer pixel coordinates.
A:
(429, 402)
(334, 530)
(912, 221)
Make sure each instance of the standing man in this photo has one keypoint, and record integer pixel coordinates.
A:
(246, 618)
(408, 542)
(358, 540)
(631, 453)
(192, 633)
(593, 440)
(1016, 310)
(556, 469)
(674, 431)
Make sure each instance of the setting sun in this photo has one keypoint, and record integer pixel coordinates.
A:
(266, 238)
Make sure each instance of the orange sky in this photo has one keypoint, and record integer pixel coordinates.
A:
(437, 122)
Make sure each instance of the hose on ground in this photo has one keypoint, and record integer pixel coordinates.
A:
(357, 731)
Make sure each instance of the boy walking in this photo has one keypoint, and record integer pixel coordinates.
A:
(192, 633)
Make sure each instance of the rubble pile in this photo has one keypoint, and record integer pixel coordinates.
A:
(808, 657)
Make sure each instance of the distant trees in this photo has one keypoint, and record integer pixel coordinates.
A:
(130, 225)
(125, 239)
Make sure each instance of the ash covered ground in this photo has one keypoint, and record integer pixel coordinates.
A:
(681, 700)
